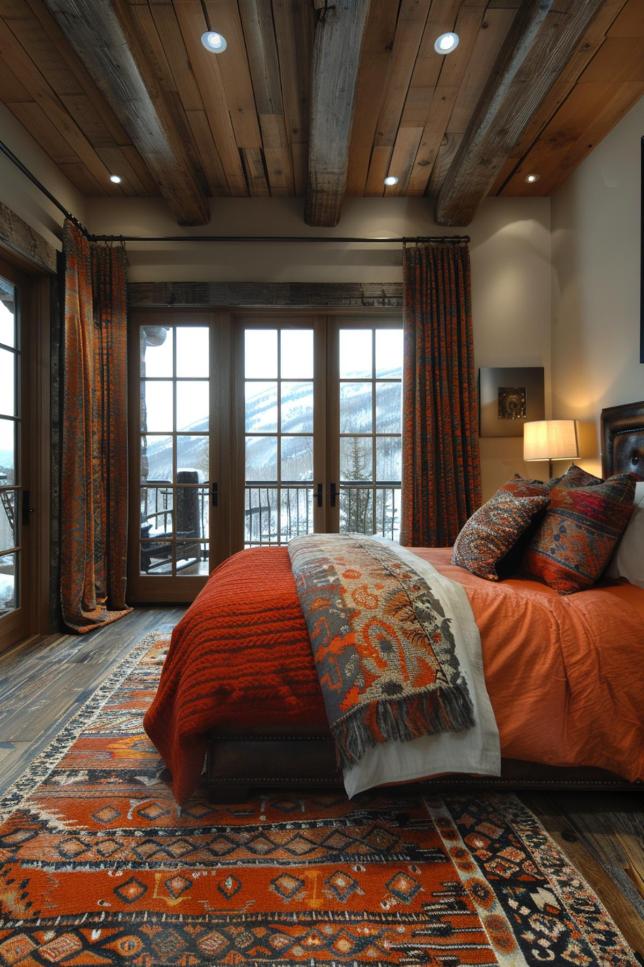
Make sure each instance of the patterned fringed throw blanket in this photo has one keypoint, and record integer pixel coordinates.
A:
(383, 644)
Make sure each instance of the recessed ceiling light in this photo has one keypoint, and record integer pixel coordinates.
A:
(446, 43)
(116, 179)
(214, 42)
(391, 180)
(531, 179)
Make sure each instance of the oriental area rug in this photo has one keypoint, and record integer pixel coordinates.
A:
(97, 867)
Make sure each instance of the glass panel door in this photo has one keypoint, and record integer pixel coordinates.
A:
(173, 441)
(10, 457)
(369, 420)
(282, 461)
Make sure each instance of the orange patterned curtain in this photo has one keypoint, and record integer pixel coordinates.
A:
(94, 434)
(441, 484)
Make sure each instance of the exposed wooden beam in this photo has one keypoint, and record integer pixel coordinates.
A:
(22, 240)
(543, 38)
(265, 295)
(105, 38)
(336, 56)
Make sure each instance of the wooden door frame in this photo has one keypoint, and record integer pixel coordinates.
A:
(33, 616)
(151, 589)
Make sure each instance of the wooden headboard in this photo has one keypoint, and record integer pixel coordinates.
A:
(623, 439)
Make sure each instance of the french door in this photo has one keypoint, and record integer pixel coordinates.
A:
(249, 430)
(14, 499)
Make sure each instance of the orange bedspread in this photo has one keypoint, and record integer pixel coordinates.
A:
(564, 674)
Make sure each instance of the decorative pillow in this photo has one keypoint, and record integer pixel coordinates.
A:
(628, 559)
(492, 531)
(579, 532)
(523, 487)
(574, 477)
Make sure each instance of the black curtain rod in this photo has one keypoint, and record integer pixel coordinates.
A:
(340, 239)
(401, 240)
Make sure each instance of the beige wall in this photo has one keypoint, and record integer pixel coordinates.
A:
(23, 197)
(510, 268)
(596, 283)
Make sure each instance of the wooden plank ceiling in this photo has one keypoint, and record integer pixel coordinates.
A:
(134, 92)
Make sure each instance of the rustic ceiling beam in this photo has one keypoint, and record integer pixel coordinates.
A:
(541, 41)
(336, 56)
(104, 36)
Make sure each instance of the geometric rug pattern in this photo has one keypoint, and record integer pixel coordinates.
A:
(98, 867)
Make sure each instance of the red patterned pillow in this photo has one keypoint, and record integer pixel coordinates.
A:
(575, 541)
(523, 487)
(492, 531)
(574, 477)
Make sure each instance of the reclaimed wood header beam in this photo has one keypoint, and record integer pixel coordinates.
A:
(338, 40)
(265, 295)
(541, 41)
(104, 36)
(24, 241)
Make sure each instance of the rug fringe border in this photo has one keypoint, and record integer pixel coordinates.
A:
(46, 761)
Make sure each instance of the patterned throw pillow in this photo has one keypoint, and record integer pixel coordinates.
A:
(575, 541)
(574, 477)
(523, 487)
(492, 531)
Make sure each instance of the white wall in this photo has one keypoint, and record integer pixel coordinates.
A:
(510, 251)
(23, 197)
(596, 283)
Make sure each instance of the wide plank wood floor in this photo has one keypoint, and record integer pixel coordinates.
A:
(43, 683)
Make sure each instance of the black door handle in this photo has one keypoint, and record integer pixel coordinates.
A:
(214, 494)
(333, 493)
(320, 494)
(27, 509)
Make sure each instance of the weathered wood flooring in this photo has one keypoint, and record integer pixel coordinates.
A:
(43, 683)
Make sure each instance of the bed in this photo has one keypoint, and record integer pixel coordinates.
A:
(575, 661)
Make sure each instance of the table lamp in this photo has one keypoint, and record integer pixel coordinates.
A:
(550, 440)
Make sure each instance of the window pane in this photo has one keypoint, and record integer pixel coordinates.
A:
(297, 458)
(193, 405)
(8, 583)
(355, 458)
(355, 353)
(157, 515)
(388, 512)
(192, 558)
(7, 452)
(7, 313)
(297, 407)
(193, 349)
(261, 458)
(261, 407)
(296, 354)
(356, 510)
(8, 518)
(355, 407)
(261, 515)
(192, 454)
(388, 458)
(7, 382)
(388, 407)
(191, 512)
(156, 458)
(296, 512)
(156, 412)
(156, 351)
(389, 353)
(260, 354)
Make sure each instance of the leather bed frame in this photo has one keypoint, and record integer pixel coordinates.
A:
(237, 763)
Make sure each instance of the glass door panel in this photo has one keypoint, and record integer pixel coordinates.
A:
(174, 435)
(281, 497)
(370, 425)
(10, 463)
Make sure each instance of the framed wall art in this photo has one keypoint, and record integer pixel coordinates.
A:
(509, 397)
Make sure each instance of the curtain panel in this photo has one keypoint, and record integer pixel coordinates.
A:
(94, 434)
(441, 484)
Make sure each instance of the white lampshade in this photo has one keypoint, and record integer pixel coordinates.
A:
(550, 440)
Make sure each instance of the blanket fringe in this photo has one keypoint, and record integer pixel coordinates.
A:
(441, 709)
